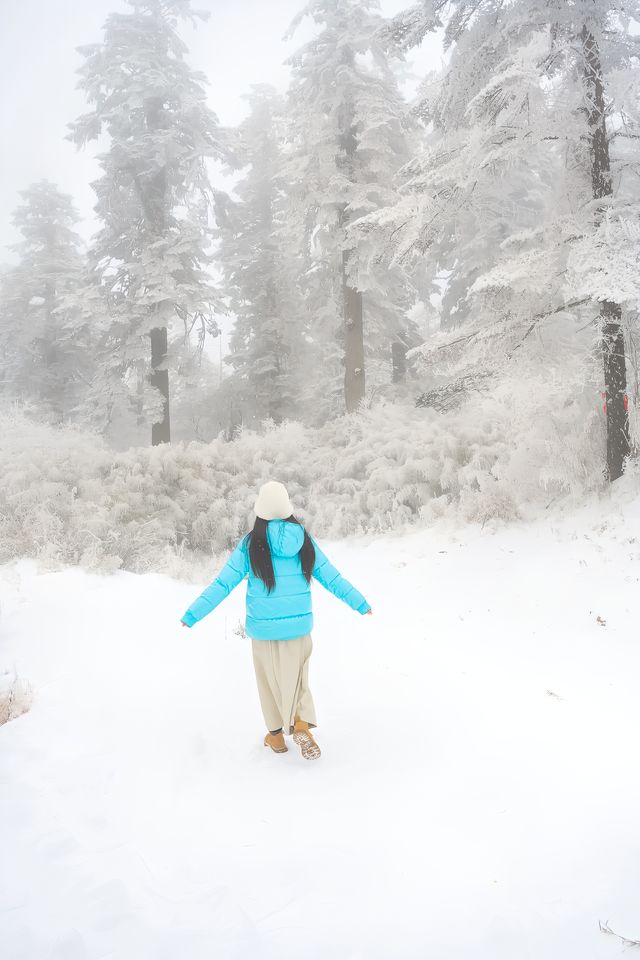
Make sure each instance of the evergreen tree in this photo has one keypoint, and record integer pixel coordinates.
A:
(150, 255)
(527, 190)
(44, 342)
(257, 277)
(347, 139)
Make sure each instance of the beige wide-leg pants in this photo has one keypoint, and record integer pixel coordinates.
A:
(282, 672)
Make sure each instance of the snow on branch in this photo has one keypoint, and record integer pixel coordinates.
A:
(427, 350)
(409, 28)
(605, 928)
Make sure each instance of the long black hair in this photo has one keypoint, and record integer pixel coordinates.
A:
(260, 553)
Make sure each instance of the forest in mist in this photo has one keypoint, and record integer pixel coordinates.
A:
(452, 276)
(391, 262)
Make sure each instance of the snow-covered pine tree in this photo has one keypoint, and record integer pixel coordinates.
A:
(44, 341)
(258, 279)
(605, 31)
(525, 96)
(347, 139)
(150, 254)
(470, 196)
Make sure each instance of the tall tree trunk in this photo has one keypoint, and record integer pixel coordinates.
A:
(154, 201)
(353, 341)
(613, 349)
(398, 361)
(161, 431)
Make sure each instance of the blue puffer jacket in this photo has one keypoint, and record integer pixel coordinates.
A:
(284, 613)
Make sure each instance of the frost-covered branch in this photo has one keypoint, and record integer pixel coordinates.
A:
(605, 928)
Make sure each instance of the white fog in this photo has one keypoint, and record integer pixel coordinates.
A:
(319, 485)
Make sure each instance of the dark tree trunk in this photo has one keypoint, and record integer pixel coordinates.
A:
(615, 382)
(613, 349)
(161, 431)
(398, 361)
(153, 194)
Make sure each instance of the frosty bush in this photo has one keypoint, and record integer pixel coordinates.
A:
(16, 697)
(66, 498)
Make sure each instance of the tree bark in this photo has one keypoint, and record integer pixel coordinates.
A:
(154, 199)
(613, 347)
(160, 431)
(398, 362)
(615, 382)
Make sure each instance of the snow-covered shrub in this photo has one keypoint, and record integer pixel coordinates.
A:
(45, 487)
(66, 498)
(16, 697)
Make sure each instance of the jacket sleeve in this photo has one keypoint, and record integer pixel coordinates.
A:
(234, 570)
(326, 574)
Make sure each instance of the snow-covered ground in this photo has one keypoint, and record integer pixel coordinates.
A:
(477, 797)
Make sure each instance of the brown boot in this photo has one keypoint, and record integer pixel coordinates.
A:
(276, 742)
(302, 736)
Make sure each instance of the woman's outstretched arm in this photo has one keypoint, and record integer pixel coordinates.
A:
(326, 574)
(234, 570)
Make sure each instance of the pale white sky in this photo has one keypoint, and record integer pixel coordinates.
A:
(239, 45)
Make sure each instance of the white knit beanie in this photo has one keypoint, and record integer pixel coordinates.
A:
(273, 502)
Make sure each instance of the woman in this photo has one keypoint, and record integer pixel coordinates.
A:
(280, 558)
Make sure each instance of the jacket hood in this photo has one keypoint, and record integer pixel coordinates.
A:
(285, 539)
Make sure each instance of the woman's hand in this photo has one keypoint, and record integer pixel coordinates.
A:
(369, 612)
